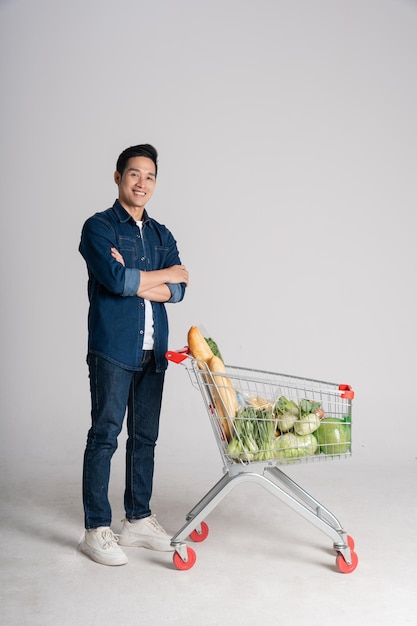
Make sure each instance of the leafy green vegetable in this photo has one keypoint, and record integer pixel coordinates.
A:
(333, 435)
(308, 406)
(254, 434)
(214, 347)
(283, 405)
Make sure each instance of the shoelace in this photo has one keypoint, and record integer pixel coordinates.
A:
(109, 539)
(152, 521)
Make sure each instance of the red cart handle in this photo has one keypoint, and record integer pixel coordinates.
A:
(348, 393)
(179, 356)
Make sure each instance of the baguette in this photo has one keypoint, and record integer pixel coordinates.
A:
(198, 346)
(224, 396)
(220, 387)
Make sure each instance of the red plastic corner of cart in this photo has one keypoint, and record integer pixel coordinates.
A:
(348, 393)
(179, 356)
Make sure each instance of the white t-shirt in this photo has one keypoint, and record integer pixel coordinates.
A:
(148, 338)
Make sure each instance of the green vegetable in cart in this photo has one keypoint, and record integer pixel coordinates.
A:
(333, 435)
(286, 421)
(235, 449)
(307, 424)
(308, 406)
(286, 446)
(308, 444)
(254, 430)
(214, 347)
(287, 412)
(283, 405)
(291, 446)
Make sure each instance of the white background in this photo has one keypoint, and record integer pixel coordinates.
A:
(287, 136)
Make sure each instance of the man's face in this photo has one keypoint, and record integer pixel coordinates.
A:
(136, 184)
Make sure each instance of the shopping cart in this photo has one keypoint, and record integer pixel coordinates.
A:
(273, 419)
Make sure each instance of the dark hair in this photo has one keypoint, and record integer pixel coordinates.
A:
(144, 149)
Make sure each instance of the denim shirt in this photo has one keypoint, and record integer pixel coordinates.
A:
(116, 317)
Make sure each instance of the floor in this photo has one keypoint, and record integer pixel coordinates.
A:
(261, 563)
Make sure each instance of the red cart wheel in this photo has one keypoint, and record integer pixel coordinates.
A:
(344, 567)
(184, 565)
(350, 542)
(198, 536)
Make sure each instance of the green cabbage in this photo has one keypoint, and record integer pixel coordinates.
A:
(333, 435)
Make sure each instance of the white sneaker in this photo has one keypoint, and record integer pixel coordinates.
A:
(145, 533)
(100, 544)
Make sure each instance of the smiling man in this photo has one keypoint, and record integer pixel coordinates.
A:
(134, 268)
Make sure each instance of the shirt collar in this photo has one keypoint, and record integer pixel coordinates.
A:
(124, 216)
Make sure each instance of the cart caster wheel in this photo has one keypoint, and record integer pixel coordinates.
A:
(350, 542)
(198, 536)
(344, 567)
(184, 565)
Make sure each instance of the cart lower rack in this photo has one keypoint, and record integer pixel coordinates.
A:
(262, 420)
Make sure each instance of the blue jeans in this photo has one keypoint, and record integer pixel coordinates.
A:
(113, 389)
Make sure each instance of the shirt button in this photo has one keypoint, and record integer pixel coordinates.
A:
(142, 258)
(141, 332)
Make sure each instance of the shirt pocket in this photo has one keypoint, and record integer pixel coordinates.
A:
(127, 247)
(160, 255)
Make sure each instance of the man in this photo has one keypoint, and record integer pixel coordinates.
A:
(134, 268)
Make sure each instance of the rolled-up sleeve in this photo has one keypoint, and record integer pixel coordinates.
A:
(132, 281)
(177, 292)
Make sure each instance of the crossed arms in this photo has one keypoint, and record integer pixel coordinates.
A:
(153, 285)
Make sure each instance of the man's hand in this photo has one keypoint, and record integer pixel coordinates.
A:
(178, 274)
(117, 256)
